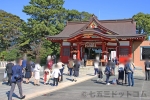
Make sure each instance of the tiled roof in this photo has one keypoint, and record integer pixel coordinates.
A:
(122, 28)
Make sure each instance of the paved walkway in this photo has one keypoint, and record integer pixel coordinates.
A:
(31, 91)
(92, 90)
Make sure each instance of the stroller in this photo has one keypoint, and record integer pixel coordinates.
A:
(47, 76)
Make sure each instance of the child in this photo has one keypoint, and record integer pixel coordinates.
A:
(100, 74)
(46, 76)
(56, 74)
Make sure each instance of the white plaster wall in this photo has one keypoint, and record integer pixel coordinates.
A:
(66, 43)
(124, 43)
(111, 44)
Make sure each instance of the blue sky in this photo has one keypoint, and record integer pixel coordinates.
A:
(103, 9)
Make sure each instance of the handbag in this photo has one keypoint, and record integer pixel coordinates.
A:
(5, 75)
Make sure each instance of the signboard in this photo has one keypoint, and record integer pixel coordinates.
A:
(90, 44)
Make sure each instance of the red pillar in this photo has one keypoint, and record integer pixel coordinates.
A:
(71, 46)
(130, 48)
(118, 50)
(61, 51)
(103, 49)
(78, 51)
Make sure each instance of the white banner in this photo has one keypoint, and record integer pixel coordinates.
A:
(113, 54)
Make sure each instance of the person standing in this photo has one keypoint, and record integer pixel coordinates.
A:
(100, 74)
(147, 70)
(108, 72)
(130, 70)
(96, 65)
(113, 65)
(74, 56)
(126, 72)
(9, 71)
(37, 73)
(56, 73)
(50, 64)
(76, 70)
(85, 59)
(16, 79)
(121, 73)
(28, 71)
(32, 67)
(61, 68)
(70, 66)
(24, 64)
(54, 59)
(49, 57)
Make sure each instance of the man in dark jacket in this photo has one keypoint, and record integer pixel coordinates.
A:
(8, 70)
(126, 73)
(16, 79)
(85, 59)
(147, 70)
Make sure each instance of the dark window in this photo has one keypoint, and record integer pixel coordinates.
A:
(66, 51)
(145, 53)
(124, 51)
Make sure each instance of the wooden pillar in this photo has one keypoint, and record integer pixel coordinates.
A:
(103, 49)
(118, 49)
(130, 48)
(71, 48)
(61, 51)
(78, 51)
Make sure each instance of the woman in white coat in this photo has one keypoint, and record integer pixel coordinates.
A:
(37, 74)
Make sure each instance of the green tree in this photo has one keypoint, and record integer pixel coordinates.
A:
(10, 29)
(74, 15)
(47, 18)
(142, 23)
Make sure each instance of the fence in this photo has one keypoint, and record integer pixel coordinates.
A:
(4, 63)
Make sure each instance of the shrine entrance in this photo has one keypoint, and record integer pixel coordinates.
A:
(93, 52)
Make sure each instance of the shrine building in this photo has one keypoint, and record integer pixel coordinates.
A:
(112, 38)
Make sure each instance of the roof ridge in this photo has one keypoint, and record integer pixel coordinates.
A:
(118, 20)
(77, 22)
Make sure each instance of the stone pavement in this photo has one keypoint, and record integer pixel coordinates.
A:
(33, 91)
(92, 90)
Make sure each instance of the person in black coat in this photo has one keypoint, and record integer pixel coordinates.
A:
(76, 70)
(126, 72)
(28, 73)
(147, 70)
(8, 70)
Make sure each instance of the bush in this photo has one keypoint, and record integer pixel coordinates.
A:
(9, 55)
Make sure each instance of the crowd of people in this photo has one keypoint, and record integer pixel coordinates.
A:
(26, 69)
(125, 71)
